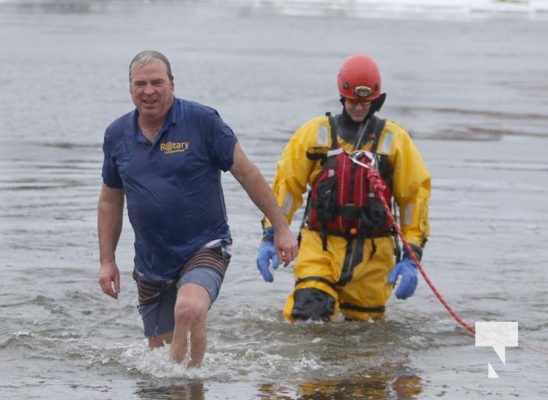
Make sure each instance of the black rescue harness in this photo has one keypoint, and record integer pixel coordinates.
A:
(341, 202)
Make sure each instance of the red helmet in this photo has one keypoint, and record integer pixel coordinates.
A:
(359, 78)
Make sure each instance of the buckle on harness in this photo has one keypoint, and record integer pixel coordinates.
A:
(356, 155)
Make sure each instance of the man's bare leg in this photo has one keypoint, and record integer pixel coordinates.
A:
(190, 334)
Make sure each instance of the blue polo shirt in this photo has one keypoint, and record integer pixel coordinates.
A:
(173, 190)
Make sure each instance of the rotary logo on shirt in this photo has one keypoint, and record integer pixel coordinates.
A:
(174, 147)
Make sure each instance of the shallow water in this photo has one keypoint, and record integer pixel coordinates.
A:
(471, 87)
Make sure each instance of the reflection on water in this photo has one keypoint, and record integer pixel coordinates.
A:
(381, 383)
(375, 386)
(193, 390)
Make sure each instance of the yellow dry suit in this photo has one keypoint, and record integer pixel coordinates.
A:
(346, 272)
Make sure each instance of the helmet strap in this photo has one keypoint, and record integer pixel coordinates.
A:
(377, 104)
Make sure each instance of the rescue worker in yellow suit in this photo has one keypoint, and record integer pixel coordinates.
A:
(349, 258)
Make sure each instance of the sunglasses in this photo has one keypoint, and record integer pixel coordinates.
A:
(354, 103)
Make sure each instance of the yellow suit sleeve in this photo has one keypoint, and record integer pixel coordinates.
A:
(294, 170)
(411, 182)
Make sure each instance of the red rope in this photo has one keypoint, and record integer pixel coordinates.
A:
(378, 186)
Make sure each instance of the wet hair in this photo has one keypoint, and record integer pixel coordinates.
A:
(146, 57)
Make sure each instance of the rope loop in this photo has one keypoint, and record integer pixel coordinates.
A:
(378, 186)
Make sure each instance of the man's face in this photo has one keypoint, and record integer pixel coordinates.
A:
(151, 90)
(357, 109)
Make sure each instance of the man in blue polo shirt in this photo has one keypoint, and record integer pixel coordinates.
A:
(165, 158)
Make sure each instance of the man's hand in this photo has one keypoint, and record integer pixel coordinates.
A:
(286, 246)
(109, 279)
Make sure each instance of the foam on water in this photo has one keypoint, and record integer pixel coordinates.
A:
(354, 8)
(407, 8)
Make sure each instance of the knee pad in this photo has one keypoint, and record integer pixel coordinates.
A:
(312, 303)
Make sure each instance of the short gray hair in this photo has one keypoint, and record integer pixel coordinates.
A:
(146, 57)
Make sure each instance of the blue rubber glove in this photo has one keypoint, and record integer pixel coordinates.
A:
(407, 270)
(267, 256)
(408, 283)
